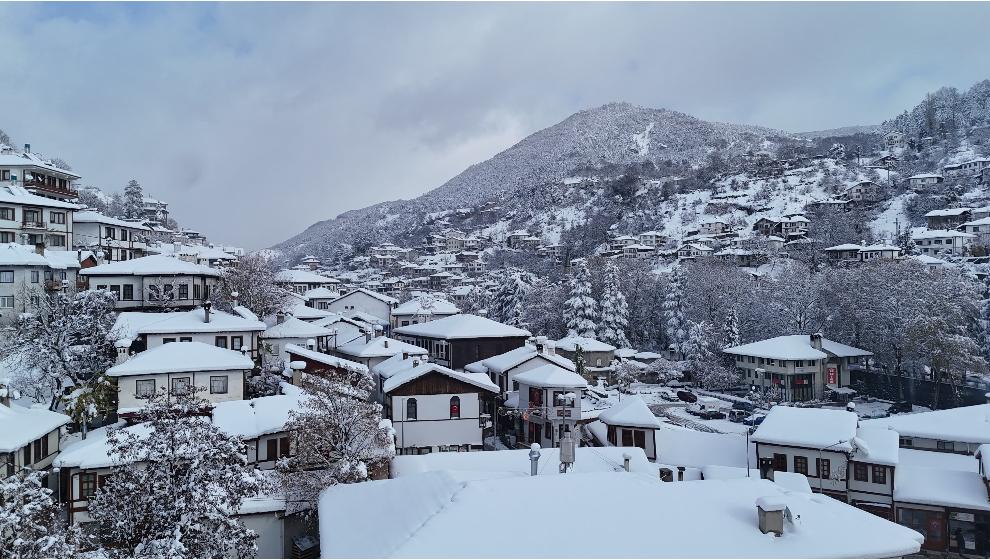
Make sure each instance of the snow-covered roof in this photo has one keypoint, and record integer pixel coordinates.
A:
(13, 254)
(684, 447)
(625, 352)
(248, 419)
(435, 514)
(326, 359)
(929, 260)
(321, 293)
(31, 159)
(631, 411)
(948, 212)
(462, 326)
(957, 489)
(844, 247)
(302, 311)
(131, 324)
(515, 462)
(92, 216)
(551, 375)
(880, 247)
(153, 265)
(13, 194)
(645, 355)
(876, 445)
(22, 425)
(980, 222)
(400, 378)
(426, 305)
(295, 276)
(970, 424)
(813, 428)
(94, 451)
(376, 295)
(292, 327)
(176, 357)
(379, 347)
(515, 357)
(795, 347)
(570, 344)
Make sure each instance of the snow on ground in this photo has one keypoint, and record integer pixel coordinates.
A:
(892, 217)
(642, 140)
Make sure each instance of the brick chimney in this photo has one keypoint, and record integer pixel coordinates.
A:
(816, 341)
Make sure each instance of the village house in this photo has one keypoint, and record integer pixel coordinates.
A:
(366, 301)
(203, 324)
(29, 171)
(894, 140)
(317, 363)
(879, 251)
(618, 242)
(694, 250)
(320, 298)
(213, 373)
(28, 274)
(549, 402)
(302, 281)
(31, 219)
(713, 226)
(971, 168)
(949, 242)
(206, 255)
(924, 181)
(30, 435)
(847, 252)
(802, 367)
(502, 369)
(514, 239)
(632, 424)
(290, 330)
(740, 257)
(458, 340)
(118, 240)
(959, 430)
(840, 458)
(154, 282)
(372, 351)
(344, 329)
(865, 191)
(597, 355)
(948, 218)
(979, 229)
(652, 239)
(422, 309)
(435, 409)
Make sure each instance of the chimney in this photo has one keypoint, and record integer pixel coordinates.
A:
(405, 356)
(236, 297)
(625, 461)
(816, 341)
(122, 346)
(27, 148)
(311, 343)
(541, 344)
(280, 317)
(385, 342)
(851, 406)
(207, 305)
(415, 362)
(770, 510)
(39, 248)
(534, 459)
(5, 393)
(680, 474)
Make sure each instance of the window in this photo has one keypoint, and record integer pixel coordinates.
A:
(824, 468)
(6, 213)
(185, 339)
(220, 341)
(167, 340)
(906, 442)
(218, 384)
(27, 454)
(236, 343)
(115, 290)
(56, 217)
(944, 445)
(277, 448)
(6, 276)
(180, 386)
(879, 474)
(6, 302)
(859, 472)
(779, 462)
(35, 277)
(6, 237)
(411, 409)
(455, 407)
(111, 233)
(144, 388)
(196, 291)
(801, 464)
(87, 485)
(128, 292)
(183, 291)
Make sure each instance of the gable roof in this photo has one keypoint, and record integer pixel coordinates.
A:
(176, 357)
(570, 343)
(462, 326)
(400, 378)
(551, 375)
(970, 424)
(15, 194)
(326, 359)
(296, 276)
(795, 347)
(379, 347)
(22, 425)
(426, 305)
(814, 428)
(292, 327)
(153, 265)
(376, 295)
(516, 357)
(131, 324)
(631, 411)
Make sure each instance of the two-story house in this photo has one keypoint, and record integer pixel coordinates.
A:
(203, 324)
(597, 355)
(28, 274)
(301, 281)
(371, 351)
(421, 310)
(286, 331)
(948, 218)
(802, 367)
(865, 191)
(154, 282)
(35, 174)
(458, 340)
(29, 437)
(119, 240)
(934, 242)
(364, 301)
(549, 402)
(924, 181)
(30, 219)
(503, 368)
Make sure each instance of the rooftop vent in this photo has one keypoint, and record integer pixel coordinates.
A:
(770, 510)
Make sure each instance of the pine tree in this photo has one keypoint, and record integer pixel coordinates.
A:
(507, 301)
(29, 520)
(133, 200)
(676, 325)
(730, 334)
(579, 365)
(615, 310)
(581, 310)
(176, 487)
(340, 437)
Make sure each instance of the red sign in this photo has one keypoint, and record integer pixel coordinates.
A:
(832, 376)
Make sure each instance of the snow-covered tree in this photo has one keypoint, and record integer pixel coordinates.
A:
(541, 308)
(133, 200)
(67, 342)
(92, 400)
(506, 305)
(626, 373)
(579, 365)
(614, 310)
(675, 320)
(662, 371)
(340, 437)
(580, 309)
(252, 278)
(730, 330)
(30, 526)
(176, 487)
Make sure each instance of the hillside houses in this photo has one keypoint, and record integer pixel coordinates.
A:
(924, 181)
(942, 242)
(971, 168)
(28, 274)
(154, 282)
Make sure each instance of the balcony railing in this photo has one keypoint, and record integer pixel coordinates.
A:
(41, 185)
(32, 224)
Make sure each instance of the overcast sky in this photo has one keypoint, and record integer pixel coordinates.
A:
(256, 120)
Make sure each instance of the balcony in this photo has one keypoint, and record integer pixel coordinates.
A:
(35, 184)
(32, 224)
(54, 285)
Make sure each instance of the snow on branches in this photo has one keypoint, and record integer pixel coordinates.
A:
(29, 520)
(581, 310)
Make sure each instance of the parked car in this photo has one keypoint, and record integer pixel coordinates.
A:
(712, 414)
(743, 405)
(899, 407)
(754, 420)
(668, 396)
(695, 408)
(687, 396)
(737, 416)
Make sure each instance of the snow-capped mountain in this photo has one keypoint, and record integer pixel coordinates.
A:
(614, 136)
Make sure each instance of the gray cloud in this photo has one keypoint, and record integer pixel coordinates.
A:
(255, 120)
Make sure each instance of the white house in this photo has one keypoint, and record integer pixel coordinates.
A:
(28, 171)
(320, 298)
(954, 430)
(549, 399)
(366, 301)
(879, 251)
(301, 281)
(28, 274)
(933, 242)
(502, 369)
(345, 330)
(924, 181)
(290, 330)
(434, 408)
(694, 250)
(597, 355)
(225, 330)
(422, 309)
(154, 282)
(30, 436)
(372, 351)
(30, 219)
(119, 240)
(630, 423)
(215, 374)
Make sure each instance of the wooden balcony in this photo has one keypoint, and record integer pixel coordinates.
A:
(53, 189)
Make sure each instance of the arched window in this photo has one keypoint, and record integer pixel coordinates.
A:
(455, 407)
(411, 409)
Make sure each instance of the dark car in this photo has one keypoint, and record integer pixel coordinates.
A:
(899, 407)
(738, 416)
(687, 396)
(711, 414)
(754, 420)
(743, 405)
